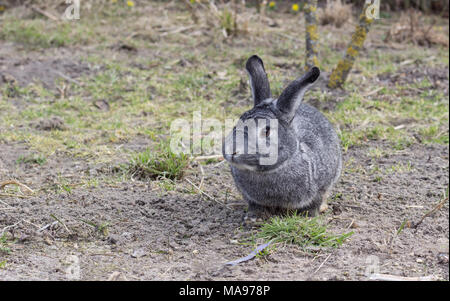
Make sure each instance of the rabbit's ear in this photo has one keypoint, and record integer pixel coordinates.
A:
(292, 96)
(258, 79)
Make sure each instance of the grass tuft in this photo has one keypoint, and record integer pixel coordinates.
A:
(4, 244)
(300, 230)
(31, 159)
(335, 13)
(159, 163)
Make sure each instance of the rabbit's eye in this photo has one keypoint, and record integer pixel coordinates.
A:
(265, 132)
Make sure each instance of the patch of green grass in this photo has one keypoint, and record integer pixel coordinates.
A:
(12, 90)
(377, 153)
(32, 159)
(101, 228)
(4, 246)
(228, 22)
(37, 33)
(264, 253)
(364, 119)
(401, 168)
(300, 230)
(30, 35)
(402, 226)
(349, 139)
(62, 185)
(337, 196)
(33, 34)
(434, 134)
(158, 163)
(167, 184)
(402, 143)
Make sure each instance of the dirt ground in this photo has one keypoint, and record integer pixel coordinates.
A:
(178, 236)
(85, 221)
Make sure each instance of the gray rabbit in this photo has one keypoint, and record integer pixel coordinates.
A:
(307, 161)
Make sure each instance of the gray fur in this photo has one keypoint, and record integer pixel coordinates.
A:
(309, 155)
(258, 79)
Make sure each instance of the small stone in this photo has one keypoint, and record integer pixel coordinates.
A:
(138, 253)
(127, 235)
(112, 239)
(195, 252)
(114, 276)
(443, 258)
(354, 225)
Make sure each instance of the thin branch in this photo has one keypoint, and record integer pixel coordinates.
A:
(320, 266)
(45, 14)
(205, 194)
(432, 211)
(14, 182)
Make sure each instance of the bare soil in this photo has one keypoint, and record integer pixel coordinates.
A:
(181, 236)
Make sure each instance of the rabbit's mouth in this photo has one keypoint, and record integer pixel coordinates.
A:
(243, 161)
(243, 166)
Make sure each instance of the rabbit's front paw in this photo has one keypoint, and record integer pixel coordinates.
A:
(323, 207)
(255, 215)
(258, 211)
(251, 220)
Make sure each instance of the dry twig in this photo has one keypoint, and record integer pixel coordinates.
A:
(45, 13)
(14, 182)
(432, 211)
(205, 194)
